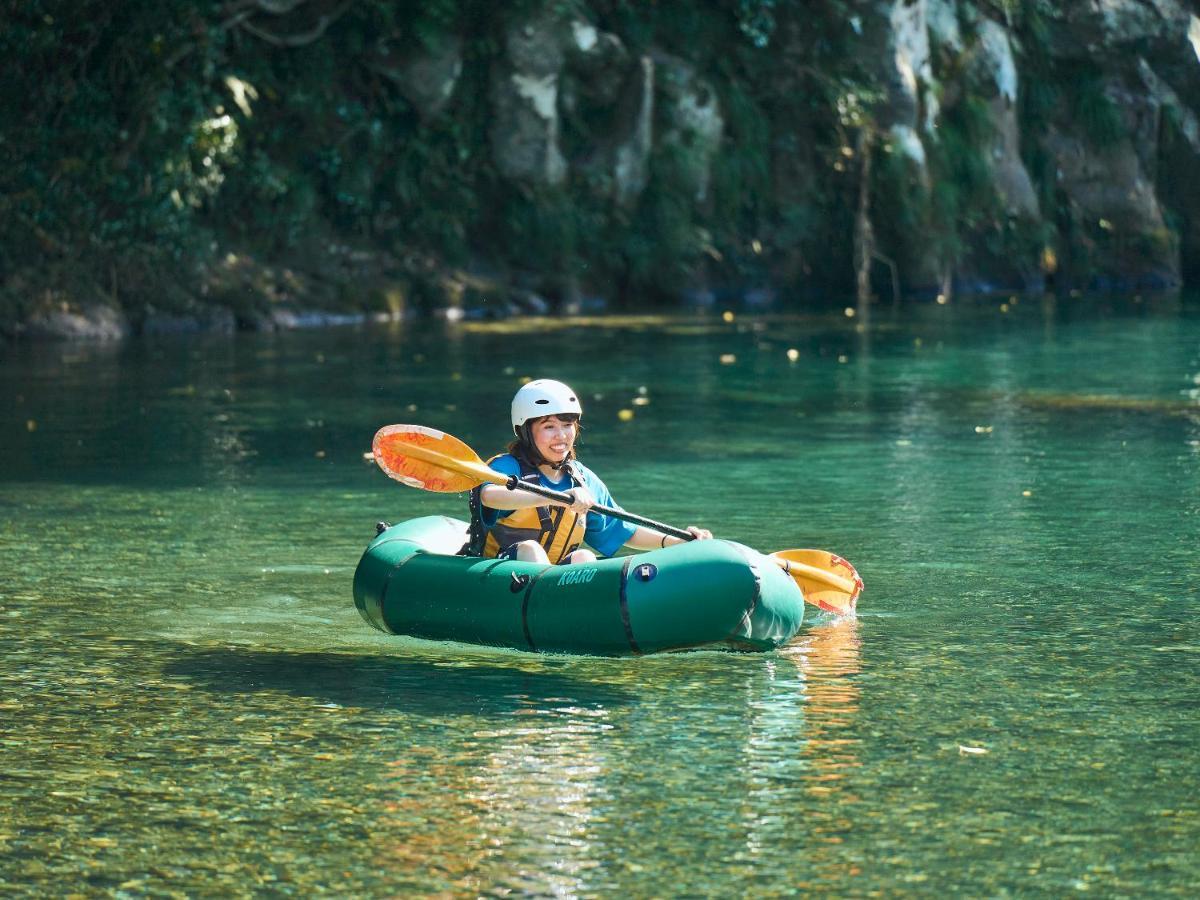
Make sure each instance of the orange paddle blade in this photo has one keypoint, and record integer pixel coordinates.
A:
(828, 581)
(430, 459)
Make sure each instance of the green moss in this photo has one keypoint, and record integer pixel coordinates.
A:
(741, 170)
(1092, 110)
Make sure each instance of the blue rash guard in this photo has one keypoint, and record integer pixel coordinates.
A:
(604, 534)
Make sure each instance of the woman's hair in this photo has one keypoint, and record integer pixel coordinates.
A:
(523, 449)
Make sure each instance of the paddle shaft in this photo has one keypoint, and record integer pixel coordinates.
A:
(515, 484)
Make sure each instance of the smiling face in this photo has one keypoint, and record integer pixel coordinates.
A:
(554, 436)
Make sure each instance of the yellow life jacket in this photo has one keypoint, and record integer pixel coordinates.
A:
(558, 529)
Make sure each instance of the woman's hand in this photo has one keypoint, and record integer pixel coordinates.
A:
(700, 534)
(583, 500)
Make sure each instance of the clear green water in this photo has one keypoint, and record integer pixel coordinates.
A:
(189, 703)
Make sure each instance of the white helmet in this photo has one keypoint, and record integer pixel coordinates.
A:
(542, 398)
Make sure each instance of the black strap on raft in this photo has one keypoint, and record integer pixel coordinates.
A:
(548, 521)
(476, 534)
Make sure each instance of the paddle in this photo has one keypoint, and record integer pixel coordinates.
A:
(432, 460)
(828, 590)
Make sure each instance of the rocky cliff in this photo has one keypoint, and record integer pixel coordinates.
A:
(265, 156)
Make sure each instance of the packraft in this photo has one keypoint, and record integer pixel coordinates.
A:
(700, 594)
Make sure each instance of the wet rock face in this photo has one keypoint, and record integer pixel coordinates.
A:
(525, 126)
(425, 77)
(1114, 192)
(910, 75)
(1084, 28)
(1111, 209)
(996, 71)
(630, 149)
(895, 48)
(616, 158)
(694, 120)
(1114, 226)
(608, 97)
(555, 69)
(553, 66)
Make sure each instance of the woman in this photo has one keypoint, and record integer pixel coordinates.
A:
(520, 525)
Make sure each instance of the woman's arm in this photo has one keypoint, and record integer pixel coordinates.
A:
(649, 539)
(494, 496)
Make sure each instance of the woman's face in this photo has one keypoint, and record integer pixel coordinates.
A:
(554, 437)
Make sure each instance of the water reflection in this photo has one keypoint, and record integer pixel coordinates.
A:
(829, 656)
(529, 791)
(588, 796)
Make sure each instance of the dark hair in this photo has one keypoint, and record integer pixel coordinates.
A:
(523, 448)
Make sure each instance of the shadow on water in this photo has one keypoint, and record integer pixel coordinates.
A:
(416, 687)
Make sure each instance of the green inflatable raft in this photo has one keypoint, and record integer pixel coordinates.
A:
(702, 594)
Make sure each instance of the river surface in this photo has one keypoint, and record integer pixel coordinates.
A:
(190, 704)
